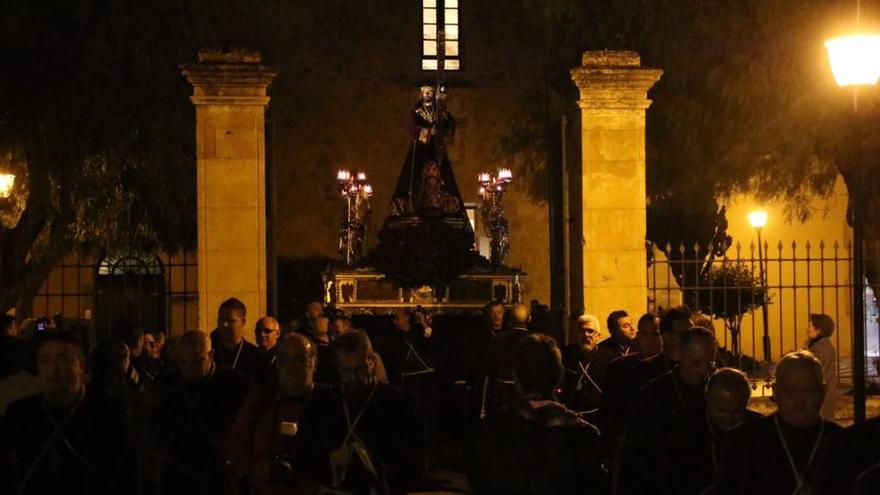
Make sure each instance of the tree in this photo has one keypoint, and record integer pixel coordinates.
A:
(730, 291)
(92, 107)
(746, 102)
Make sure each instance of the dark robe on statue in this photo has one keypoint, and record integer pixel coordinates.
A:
(427, 239)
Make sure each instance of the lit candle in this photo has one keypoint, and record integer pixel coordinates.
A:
(505, 175)
(343, 175)
(484, 178)
(368, 190)
(361, 176)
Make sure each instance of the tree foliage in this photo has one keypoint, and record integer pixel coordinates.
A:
(747, 102)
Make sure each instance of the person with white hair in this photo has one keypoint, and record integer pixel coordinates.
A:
(780, 453)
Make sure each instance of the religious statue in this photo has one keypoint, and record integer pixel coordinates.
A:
(426, 186)
(427, 240)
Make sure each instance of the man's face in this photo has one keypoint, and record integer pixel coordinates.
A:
(496, 316)
(626, 328)
(138, 348)
(339, 327)
(588, 335)
(151, 347)
(194, 364)
(812, 331)
(355, 371)
(401, 321)
(799, 394)
(697, 362)
(314, 310)
(267, 334)
(231, 321)
(672, 339)
(649, 339)
(427, 94)
(295, 369)
(726, 408)
(61, 369)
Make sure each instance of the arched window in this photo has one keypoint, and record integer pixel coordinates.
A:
(130, 287)
(440, 20)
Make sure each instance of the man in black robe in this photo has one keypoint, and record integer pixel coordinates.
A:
(67, 439)
(408, 352)
(850, 456)
(626, 375)
(687, 447)
(580, 390)
(471, 365)
(502, 389)
(196, 407)
(536, 445)
(362, 437)
(230, 349)
(778, 453)
(678, 389)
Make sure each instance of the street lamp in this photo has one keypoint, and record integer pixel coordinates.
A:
(6, 182)
(758, 220)
(855, 61)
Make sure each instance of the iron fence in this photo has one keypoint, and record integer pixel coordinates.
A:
(152, 291)
(759, 301)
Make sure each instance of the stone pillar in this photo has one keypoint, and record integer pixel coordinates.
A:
(613, 99)
(229, 93)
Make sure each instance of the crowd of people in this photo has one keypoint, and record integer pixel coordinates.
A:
(322, 407)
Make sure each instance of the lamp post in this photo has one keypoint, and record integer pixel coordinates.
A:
(491, 191)
(758, 220)
(356, 192)
(855, 61)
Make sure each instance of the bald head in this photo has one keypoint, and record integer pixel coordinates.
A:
(698, 348)
(727, 397)
(267, 332)
(520, 314)
(799, 389)
(295, 364)
(195, 359)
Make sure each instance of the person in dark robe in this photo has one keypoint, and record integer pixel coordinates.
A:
(686, 448)
(195, 410)
(230, 349)
(779, 453)
(850, 459)
(677, 389)
(409, 354)
(471, 367)
(621, 342)
(684, 384)
(67, 439)
(262, 439)
(536, 445)
(624, 377)
(502, 388)
(580, 390)
(268, 331)
(362, 436)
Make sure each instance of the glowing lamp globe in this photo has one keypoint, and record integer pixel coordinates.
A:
(6, 183)
(758, 219)
(855, 60)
